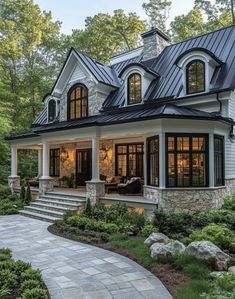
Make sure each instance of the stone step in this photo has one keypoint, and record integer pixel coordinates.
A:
(38, 216)
(59, 203)
(66, 195)
(53, 207)
(76, 200)
(43, 211)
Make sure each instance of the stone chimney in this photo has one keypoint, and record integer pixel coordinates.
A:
(154, 42)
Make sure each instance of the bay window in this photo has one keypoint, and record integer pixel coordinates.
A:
(219, 160)
(153, 161)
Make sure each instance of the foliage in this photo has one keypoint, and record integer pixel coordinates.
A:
(22, 192)
(8, 207)
(4, 191)
(29, 285)
(36, 293)
(28, 196)
(68, 180)
(220, 235)
(229, 203)
(148, 229)
(85, 223)
(30, 274)
(158, 12)
(193, 289)
(88, 208)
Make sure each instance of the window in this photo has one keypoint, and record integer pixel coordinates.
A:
(55, 162)
(129, 160)
(153, 161)
(78, 102)
(195, 76)
(219, 160)
(134, 89)
(51, 110)
(187, 160)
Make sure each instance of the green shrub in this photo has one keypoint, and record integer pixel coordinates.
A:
(28, 196)
(229, 203)
(4, 191)
(6, 251)
(36, 293)
(148, 229)
(220, 235)
(22, 192)
(173, 223)
(4, 292)
(7, 207)
(21, 266)
(193, 290)
(88, 207)
(29, 285)
(7, 278)
(30, 274)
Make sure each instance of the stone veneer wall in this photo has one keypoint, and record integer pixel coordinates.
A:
(95, 99)
(189, 200)
(153, 46)
(107, 166)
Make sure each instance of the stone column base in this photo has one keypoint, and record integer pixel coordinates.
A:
(45, 185)
(14, 182)
(95, 190)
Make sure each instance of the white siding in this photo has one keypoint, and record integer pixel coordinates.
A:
(230, 146)
(77, 74)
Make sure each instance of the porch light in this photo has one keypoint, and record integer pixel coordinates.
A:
(64, 155)
(104, 151)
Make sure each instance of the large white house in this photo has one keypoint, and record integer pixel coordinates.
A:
(163, 113)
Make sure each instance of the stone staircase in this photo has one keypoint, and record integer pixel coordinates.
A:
(52, 206)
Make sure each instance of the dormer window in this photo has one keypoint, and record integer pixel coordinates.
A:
(51, 110)
(134, 89)
(78, 102)
(195, 77)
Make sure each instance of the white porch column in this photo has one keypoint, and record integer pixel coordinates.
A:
(45, 181)
(145, 160)
(95, 159)
(14, 179)
(95, 189)
(14, 156)
(211, 161)
(40, 159)
(162, 160)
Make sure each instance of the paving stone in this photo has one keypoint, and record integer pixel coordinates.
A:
(72, 270)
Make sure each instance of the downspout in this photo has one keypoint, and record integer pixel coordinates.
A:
(220, 103)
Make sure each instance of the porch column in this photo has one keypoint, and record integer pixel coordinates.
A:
(211, 161)
(14, 179)
(95, 188)
(95, 159)
(45, 181)
(145, 161)
(40, 159)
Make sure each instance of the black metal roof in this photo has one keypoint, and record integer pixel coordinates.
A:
(29, 134)
(219, 44)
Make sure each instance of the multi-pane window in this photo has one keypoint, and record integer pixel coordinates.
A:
(153, 161)
(78, 102)
(187, 160)
(51, 110)
(55, 162)
(129, 160)
(134, 89)
(219, 160)
(195, 77)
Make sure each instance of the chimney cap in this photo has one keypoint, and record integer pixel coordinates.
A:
(154, 31)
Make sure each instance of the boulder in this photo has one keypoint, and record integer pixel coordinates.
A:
(160, 251)
(156, 238)
(231, 270)
(210, 253)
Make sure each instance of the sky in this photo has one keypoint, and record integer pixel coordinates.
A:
(72, 13)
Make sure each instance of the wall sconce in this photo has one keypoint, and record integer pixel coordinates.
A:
(104, 151)
(64, 155)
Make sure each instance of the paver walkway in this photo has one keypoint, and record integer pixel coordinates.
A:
(73, 270)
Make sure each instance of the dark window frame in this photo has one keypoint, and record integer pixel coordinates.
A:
(191, 152)
(149, 153)
(128, 88)
(127, 154)
(187, 76)
(82, 86)
(221, 138)
(49, 110)
(53, 159)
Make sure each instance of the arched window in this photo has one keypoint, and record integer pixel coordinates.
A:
(195, 76)
(134, 89)
(78, 102)
(51, 110)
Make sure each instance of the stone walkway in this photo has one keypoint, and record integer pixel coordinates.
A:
(73, 270)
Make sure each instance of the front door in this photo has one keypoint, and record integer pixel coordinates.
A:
(83, 166)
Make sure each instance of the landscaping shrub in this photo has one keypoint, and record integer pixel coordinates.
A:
(22, 192)
(30, 274)
(8, 207)
(28, 196)
(7, 278)
(88, 207)
(29, 285)
(220, 235)
(36, 293)
(229, 203)
(148, 229)
(4, 191)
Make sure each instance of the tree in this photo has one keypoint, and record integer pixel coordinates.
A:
(106, 34)
(158, 12)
